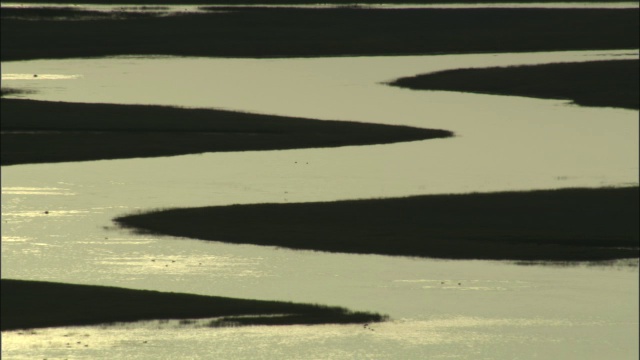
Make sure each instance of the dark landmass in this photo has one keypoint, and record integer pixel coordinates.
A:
(554, 225)
(40, 131)
(288, 32)
(612, 83)
(36, 304)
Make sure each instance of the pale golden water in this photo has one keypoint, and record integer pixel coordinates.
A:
(455, 337)
(499, 311)
(501, 143)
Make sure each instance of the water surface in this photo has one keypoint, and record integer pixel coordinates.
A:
(440, 309)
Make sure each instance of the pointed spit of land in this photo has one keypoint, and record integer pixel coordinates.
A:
(612, 83)
(42, 132)
(37, 304)
(554, 225)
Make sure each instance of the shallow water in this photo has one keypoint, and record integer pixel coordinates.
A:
(499, 310)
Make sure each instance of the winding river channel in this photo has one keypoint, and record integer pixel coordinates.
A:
(501, 310)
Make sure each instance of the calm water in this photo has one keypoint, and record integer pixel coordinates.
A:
(501, 310)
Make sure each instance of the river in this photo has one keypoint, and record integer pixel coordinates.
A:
(500, 310)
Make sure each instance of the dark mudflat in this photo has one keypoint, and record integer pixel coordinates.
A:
(289, 32)
(39, 132)
(613, 83)
(557, 225)
(36, 304)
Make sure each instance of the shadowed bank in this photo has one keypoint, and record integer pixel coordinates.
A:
(41, 132)
(612, 83)
(288, 32)
(36, 304)
(555, 225)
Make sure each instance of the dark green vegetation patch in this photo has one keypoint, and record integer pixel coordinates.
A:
(558, 225)
(612, 83)
(36, 304)
(265, 32)
(40, 131)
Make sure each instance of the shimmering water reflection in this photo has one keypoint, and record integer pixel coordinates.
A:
(457, 337)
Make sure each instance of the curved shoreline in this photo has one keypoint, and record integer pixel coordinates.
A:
(35, 31)
(610, 83)
(46, 132)
(552, 225)
(38, 304)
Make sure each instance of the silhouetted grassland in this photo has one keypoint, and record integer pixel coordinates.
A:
(288, 32)
(36, 304)
(599, 83)
(40, 131)
(559, 225)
